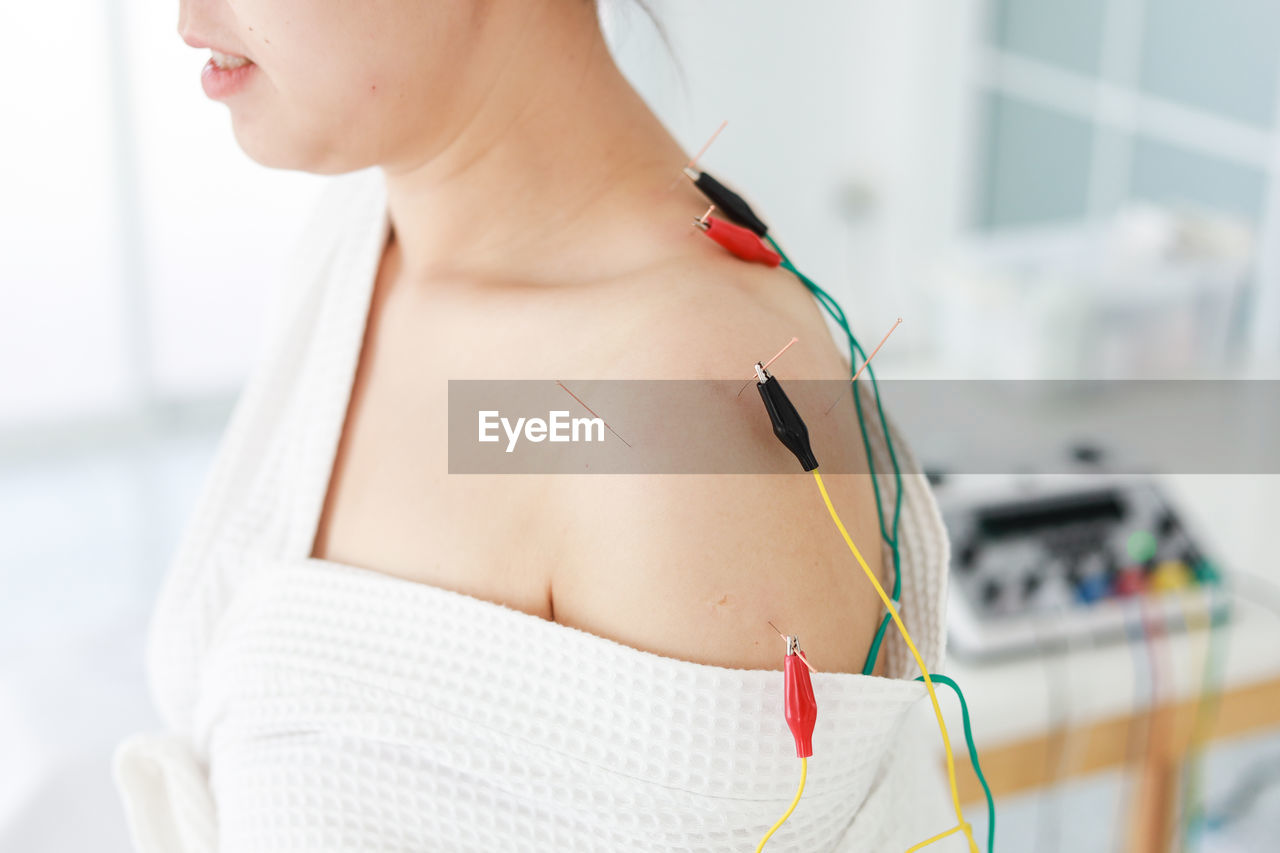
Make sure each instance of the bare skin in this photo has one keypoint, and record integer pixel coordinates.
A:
(535, 235)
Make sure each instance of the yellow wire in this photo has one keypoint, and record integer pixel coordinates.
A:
(804, 771)
(940, 836)
(924, 670)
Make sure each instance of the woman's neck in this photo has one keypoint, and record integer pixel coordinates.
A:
(556, 160)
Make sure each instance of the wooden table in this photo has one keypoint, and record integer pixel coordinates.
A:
(1155, 744)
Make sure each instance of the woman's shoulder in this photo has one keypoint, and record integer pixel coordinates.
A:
(713, 317)
(696, 565)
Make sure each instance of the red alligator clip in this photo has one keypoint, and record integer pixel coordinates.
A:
(801, 708)
(742, 242)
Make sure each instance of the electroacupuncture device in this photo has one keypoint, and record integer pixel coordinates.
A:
(747, 238)
(1060, 562)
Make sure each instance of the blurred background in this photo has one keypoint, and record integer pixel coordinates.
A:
(1042, 188)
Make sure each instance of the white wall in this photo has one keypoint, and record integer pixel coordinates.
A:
(844, 123)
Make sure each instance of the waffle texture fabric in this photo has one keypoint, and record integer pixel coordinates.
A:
(311, 705)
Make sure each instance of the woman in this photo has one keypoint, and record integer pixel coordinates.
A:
(356, 650)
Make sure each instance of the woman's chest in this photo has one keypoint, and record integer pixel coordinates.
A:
(392, 503)
(394, 507)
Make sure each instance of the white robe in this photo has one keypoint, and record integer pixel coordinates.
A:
(315, 706)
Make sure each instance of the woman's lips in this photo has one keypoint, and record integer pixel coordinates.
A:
(225, 74)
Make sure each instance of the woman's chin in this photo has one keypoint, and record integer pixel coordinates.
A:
(274, 147)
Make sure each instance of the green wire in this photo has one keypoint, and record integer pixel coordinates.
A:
(973, 757)
(833, 308)
(1206, 707)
